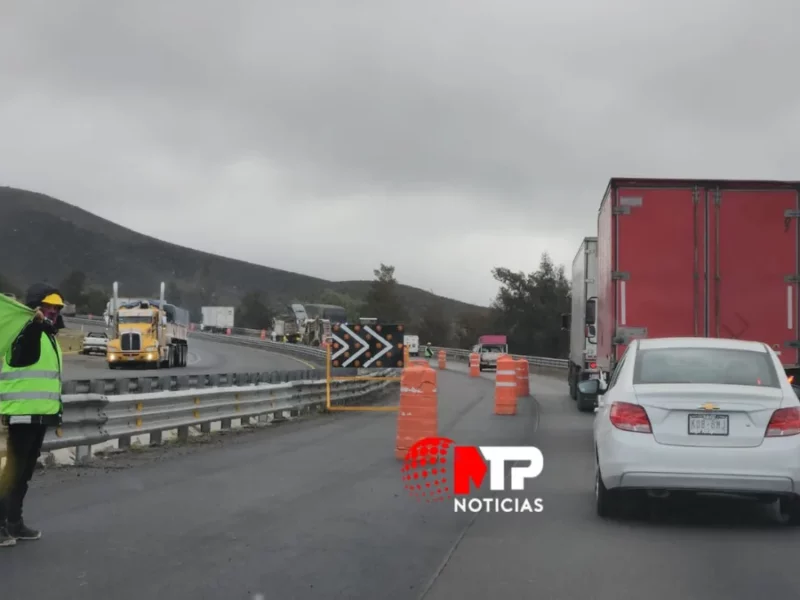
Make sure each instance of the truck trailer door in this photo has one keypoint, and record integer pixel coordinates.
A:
(657, 266)
(753, 266)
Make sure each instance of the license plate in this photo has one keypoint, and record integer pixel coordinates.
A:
(708, 424)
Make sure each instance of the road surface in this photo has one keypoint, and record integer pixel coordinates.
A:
(316, 509)
(204, 357)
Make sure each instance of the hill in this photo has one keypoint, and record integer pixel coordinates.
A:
(46, 239)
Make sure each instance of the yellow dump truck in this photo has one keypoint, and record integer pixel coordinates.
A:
(147, 332)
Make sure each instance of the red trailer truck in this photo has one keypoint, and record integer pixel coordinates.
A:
(698, 258)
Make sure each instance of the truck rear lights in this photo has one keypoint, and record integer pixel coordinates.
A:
(784, 422)
(630, 417)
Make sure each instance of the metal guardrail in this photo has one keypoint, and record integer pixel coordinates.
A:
(94, 418)
(559, 364)
(252, 337)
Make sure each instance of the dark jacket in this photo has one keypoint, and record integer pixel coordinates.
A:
(26, 349)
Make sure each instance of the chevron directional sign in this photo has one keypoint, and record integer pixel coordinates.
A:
(373, 346)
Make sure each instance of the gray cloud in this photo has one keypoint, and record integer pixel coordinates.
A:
(443, 137)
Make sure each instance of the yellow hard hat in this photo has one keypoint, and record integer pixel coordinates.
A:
(53, 299)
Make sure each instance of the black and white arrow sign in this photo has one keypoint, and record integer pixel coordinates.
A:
(386, 346)
(345, 347)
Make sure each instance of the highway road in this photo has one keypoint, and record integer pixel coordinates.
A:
(204, 357)
(316, 509)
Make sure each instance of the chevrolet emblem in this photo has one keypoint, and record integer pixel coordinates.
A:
(709, 406)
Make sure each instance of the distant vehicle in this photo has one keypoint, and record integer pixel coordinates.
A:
(286, 326)
(95, 342)
(330, 312)
(412, 343)
(490, 348)
(696, 415)
(148, 332)
(217, 319)
(671, 263)
(581, 322)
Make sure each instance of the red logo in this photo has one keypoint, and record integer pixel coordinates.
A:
(431, 474)
(426, 470)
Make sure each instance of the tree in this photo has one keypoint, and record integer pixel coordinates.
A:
(434, 326)
(528, 309)
(7, 287)
(471, 325)
(254, 312)
(72, 288)
(383, 299)
(173, 294)
(94, 302)
(350, 304)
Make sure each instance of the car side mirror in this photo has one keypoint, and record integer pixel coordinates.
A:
(591, 387)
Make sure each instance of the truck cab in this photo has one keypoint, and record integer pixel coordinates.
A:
(137, 336)
(149, 332)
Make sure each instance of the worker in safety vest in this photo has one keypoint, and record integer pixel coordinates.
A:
(30, 401)
(428, 351)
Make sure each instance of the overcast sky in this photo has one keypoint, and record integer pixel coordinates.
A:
(443, 137)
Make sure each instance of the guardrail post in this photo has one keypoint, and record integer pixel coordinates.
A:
(418, 416)
(183, 433)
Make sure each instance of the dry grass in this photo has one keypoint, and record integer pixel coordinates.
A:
(70, 340)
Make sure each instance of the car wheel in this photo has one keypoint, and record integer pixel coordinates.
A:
(604, 500)
(788, 510)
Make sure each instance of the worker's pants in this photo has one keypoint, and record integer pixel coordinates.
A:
(23, 448)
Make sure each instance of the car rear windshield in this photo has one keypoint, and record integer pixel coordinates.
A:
(705, 365)
(499, 349)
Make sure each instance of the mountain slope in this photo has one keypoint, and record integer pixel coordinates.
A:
(46, 238)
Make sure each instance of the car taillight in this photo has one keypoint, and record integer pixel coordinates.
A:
(630, 417)
(784, 421)
(593, 365)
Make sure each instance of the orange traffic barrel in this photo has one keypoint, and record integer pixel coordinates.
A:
(505, 391)
(521, 366)
(442, 359)
(474, 365)
(418, 415)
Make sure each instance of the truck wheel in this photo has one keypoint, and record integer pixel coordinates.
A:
(585, 403)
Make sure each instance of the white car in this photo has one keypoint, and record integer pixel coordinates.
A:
(696, 415)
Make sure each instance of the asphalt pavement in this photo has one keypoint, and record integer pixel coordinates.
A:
(316, 509)
(205, 356)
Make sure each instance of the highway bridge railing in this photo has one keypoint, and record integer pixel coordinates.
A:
(94, 417)
(252, 337)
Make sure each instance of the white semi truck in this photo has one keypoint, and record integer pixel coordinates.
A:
(217, 319)
(582, 322)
